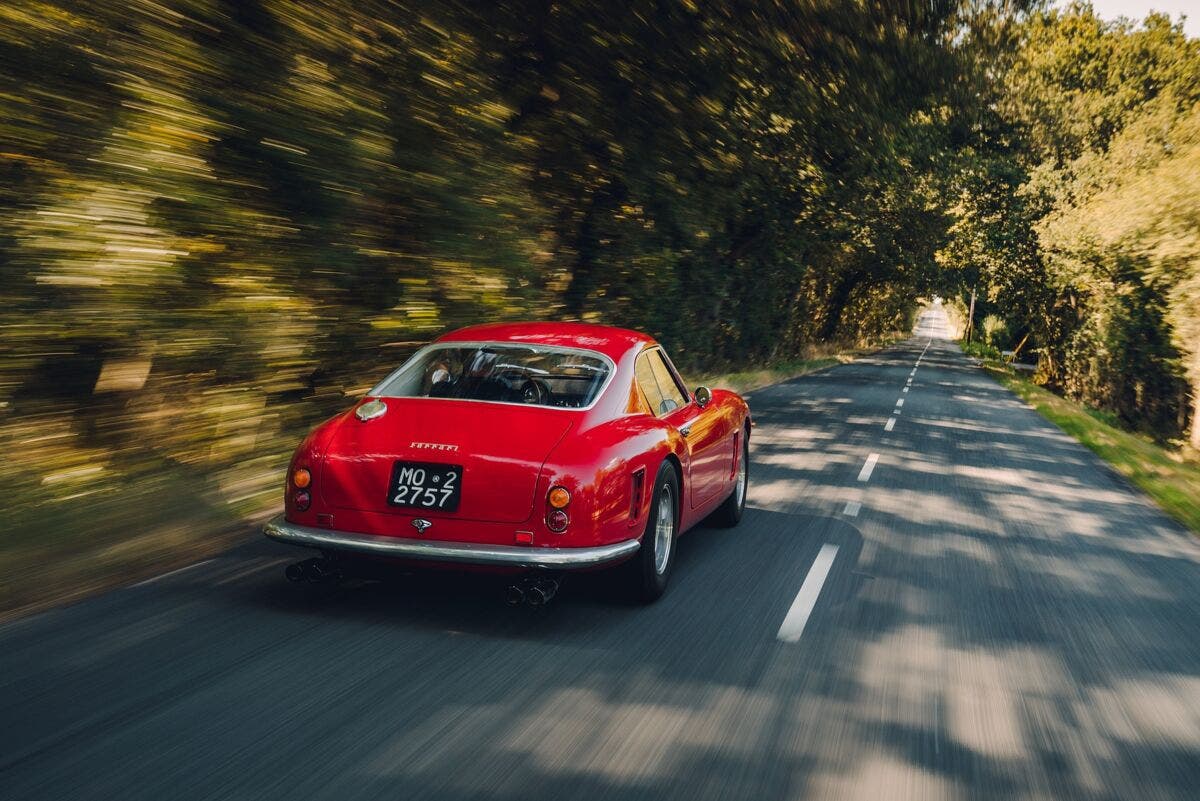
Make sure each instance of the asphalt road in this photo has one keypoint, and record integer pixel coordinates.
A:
(962, 603)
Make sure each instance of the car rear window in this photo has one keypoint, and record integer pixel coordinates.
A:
(502, 373)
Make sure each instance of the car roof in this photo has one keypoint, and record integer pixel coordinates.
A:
(612, 342)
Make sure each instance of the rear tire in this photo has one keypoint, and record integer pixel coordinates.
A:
(650, 569)
(729, 514)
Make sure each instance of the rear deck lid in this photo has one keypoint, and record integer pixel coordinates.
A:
(500, 449)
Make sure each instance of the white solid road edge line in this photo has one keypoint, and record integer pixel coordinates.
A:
(865, 473)
(890, 424)
(797, 616)
(168, 574)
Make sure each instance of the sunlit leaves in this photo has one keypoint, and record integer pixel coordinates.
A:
(1103, 120)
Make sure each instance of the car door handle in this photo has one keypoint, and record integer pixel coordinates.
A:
(686, 430)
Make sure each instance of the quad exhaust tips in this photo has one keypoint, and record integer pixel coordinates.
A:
(535, 592)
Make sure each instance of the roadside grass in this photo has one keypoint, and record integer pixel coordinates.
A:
(57, 550)
(1163, 473)
(742, 381)
(815, 358)
(980, 350)
(86, 511)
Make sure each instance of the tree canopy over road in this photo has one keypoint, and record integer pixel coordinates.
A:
(219, 217)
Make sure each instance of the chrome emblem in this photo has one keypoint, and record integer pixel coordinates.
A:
(370, 410)
(432, 446)
(421, 524)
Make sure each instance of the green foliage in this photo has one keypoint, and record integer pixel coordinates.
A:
(1079, 211)
(995, 331)
(257, 190)
(1120, 358)
(981, 350)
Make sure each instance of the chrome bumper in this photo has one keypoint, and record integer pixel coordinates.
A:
(440, 551)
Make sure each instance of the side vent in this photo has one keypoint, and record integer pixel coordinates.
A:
(635, 492)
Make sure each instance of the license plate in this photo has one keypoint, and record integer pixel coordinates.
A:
(425, 485)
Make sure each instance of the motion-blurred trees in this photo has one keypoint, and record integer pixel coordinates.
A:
(219, 218)
(251, 193)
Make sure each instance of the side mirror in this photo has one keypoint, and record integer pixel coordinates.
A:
(703, 396)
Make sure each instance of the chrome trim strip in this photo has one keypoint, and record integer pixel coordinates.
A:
(612, 373)
(440, 551)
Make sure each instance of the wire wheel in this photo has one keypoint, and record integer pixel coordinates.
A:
(664, 529)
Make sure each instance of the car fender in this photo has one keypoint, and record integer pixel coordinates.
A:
(600, 467)
(310, 454)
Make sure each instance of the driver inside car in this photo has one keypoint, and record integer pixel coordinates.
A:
(476, 382)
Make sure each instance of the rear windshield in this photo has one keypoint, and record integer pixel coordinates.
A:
(500, 372)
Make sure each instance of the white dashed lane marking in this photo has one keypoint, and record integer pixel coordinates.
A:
(797, 616)
(890, 424)
(852, 508)
(900, 402)
(868, 468)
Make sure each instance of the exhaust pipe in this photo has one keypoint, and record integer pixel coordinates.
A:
(542, 591)
(321, 570)
(315, 570)
(514, 595)
(549, 588)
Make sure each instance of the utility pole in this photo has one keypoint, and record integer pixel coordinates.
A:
(971, 315)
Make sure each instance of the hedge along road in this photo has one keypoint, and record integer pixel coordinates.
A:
(944, 598)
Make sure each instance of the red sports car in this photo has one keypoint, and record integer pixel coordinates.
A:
(536, 447)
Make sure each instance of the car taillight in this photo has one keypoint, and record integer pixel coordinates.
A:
(558, 498)
(301, 478)
(557, 520)
(301, 500)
